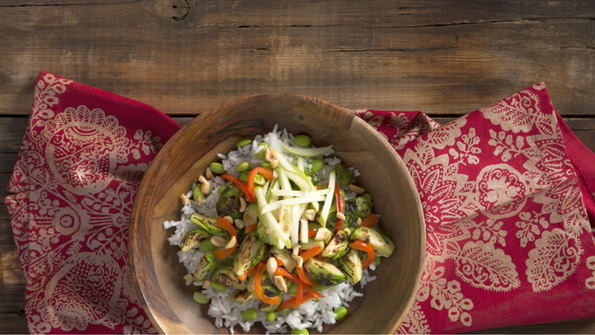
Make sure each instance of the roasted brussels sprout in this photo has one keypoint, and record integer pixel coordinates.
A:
(338, 246)
(208, 224)
(351, 265)
(270, 292)
(249, 254)
(193, 238)
(314, 178)
(324, 273)
(207, 263)
(375, 238)
(243, 297)
(360, 206)
(311, 244)
(344, 176)
(225, 275)
(283, 255)
(229, 202)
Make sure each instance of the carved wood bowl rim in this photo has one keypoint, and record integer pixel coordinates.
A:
(147, 256)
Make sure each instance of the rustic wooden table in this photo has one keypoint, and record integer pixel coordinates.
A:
(443, 57)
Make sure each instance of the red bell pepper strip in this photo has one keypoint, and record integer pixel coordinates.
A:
(370, 220)
(310, 253)
(222, 253)
(283, 272)
(315, 294)
(279, 262)
(258, 284)
(239, 184)
(312, 233)
(304, 277)
(266, 173)
(340, 207)
(359, 245)
(251, 228)
(300, 293)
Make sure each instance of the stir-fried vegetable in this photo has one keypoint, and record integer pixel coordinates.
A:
(279, 217)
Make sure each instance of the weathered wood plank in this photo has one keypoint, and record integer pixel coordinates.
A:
(451, 58)
(13, 323)
(10, 269)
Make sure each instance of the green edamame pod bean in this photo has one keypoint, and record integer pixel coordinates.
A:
(293, 289)
(218, 287)
(243, 166)
(266, 165)
(367, 196)
(200, 298)
(260, 154)
(217, 168)
(300, 331)
(340, 312)
(243, 142)
(302, 140)
(206, 245)
(250, 314)
(343, 195)
(317, 164)
(221, 189)
(271, 316)
(197, 192)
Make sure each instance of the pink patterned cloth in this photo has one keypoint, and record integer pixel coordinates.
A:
(81, 161)
(507, 195)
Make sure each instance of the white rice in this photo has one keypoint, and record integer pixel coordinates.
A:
(228, 313)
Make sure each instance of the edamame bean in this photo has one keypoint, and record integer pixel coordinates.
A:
(271, 316)
(197, 192)
(249, 314)
(206, 245)
(293, 289)
(200, 298)
(340, 312)
(243, 142)
(302, 140)
(217, 168)
(343, 195)
(243, 166)
(266, 165)
(218, 287)
(367, 196)
(317, 164)
(260, 154)
(300, 331)
(221, 189)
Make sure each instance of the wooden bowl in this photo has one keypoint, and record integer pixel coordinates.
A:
(156, 270)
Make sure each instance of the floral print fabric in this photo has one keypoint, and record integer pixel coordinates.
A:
(506, 212)
(82, 158)
(506, 190)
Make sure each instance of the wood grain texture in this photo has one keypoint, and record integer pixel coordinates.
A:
(183, 57)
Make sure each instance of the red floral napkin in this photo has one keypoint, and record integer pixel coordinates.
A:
(507, 197)
(81, 161)
(506, 192)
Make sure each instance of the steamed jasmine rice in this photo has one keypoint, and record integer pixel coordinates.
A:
(311, 313)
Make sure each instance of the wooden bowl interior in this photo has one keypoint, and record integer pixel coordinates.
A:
(156, 269)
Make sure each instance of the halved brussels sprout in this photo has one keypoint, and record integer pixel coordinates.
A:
(338, 246)
(344, 176)
(208, 224)
(311, 244)
(207, 263)
(360, 206)
(251, 214)
(193, 238)
(351, 265)
(250, 252)
(284, 256)
(375, 238)
(324, 273)
(270, 292)
(225, 275)
(243, 297)
(229, 202)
